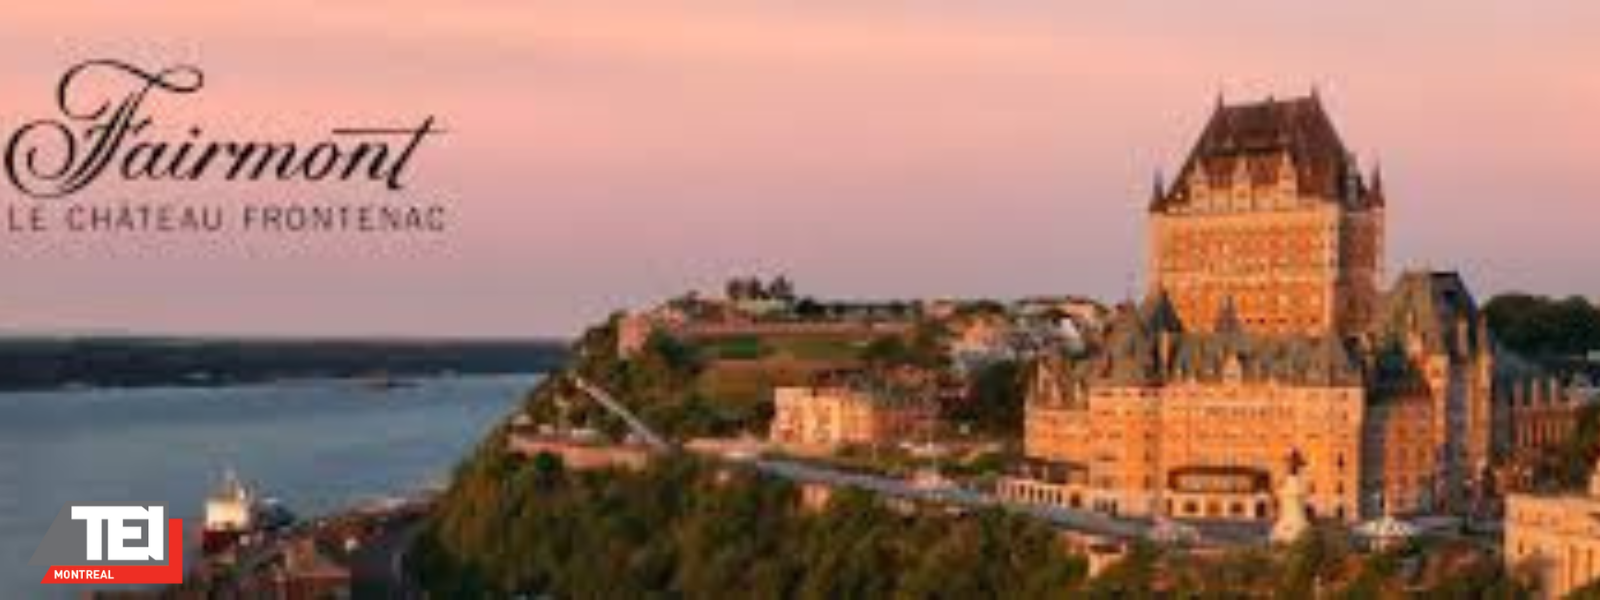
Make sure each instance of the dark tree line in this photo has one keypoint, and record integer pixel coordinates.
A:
(1545, 328)
(996, 401)
(687, 529)
(53, 362)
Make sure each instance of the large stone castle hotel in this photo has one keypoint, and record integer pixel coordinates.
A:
(1265, 339)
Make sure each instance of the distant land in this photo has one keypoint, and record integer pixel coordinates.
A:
(47, 362)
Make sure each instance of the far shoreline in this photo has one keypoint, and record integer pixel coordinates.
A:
(39, 364)
(288, 382)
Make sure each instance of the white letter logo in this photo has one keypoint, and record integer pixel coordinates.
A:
(117, 533)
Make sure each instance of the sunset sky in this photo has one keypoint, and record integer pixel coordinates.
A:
(607, 154)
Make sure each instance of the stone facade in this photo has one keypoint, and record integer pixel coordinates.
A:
(1399, 462)
(1430, 344)
(1557, 537)
(1543, 414)
(1263, 336)
(1196, 425)
(1540, 414)
(824, 418)
(1271, 214)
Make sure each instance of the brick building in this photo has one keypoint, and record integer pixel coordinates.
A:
(1270, 214)
(1264, 335)
(824, 418)
(1198, 425)
(1555, 536)
(1429, 354)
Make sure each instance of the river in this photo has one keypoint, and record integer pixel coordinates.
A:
(316, 445)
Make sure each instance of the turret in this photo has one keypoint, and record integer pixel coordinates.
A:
(1485, 344)
(1228, 317)
(1158, 191)
(1375, 194)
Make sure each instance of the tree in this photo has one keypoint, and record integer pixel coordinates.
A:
(923, 347)
(1542, 327)
(809, 308)
(1313, 560)
(690, 529)
(781, 289)
(995, 402)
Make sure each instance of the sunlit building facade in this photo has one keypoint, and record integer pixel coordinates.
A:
(1264, 340)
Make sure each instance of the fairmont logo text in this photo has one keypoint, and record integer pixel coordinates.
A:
(120, 149)
(106, 127)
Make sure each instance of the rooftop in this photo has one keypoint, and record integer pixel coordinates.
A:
(1262, 139)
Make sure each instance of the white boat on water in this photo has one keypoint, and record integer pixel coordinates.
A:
(230, 514)
(233, 511)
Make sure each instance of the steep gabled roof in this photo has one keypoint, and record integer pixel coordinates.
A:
(1431, 305)
(1228, 321)
(1157, 313)
(1147, 345)
(1259, 140)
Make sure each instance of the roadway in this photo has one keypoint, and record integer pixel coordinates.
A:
(1077, 520)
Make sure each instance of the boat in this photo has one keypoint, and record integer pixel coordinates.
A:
(234, 513)
(230, 515)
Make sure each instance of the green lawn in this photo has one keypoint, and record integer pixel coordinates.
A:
(744, 347)
(817, 347)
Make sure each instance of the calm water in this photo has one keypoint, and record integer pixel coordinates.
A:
(315, 445)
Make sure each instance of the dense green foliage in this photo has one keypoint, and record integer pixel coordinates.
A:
(924, 348)
(1542, 327)
(658, 384)
(685, 529)
(1321, 564)
(995, 405)
(688, 529)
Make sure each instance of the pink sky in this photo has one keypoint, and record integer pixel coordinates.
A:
(607, 154)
